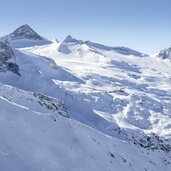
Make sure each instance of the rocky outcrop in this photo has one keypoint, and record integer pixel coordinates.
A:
(7, 59)
(165, 54)
(52, 104)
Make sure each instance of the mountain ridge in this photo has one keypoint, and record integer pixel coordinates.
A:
(24, 36)
(76, 104)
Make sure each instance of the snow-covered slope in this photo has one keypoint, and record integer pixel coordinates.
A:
(24, 36)
(118, 101)
(125, 96)
(70, 44)
(35, 102)
(35, 137)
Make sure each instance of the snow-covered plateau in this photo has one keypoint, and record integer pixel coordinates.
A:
(81, 106)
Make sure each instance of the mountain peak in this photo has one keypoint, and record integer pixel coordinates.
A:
(25, 26)
(70, 39)
(25, 32)
(24, 36)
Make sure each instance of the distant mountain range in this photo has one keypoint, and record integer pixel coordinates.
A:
(78, 105)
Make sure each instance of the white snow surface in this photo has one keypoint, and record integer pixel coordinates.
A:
(115, 112)
(125, 89)
(32, 141)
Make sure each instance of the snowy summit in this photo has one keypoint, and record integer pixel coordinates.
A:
(24, 36)
(25, 32)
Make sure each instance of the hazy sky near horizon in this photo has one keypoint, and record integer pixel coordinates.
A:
(143, 25)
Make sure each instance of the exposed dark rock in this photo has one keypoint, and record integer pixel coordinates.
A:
(52, 104)
(7, 59)
(165, 54)
(151, 141)
(25, 32)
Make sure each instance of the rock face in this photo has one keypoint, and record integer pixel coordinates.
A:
(52, 104)
(7, 59)
(165, 54)
(70, 39)
(25, 32)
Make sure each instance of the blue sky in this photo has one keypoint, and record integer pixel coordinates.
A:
(143, 25)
